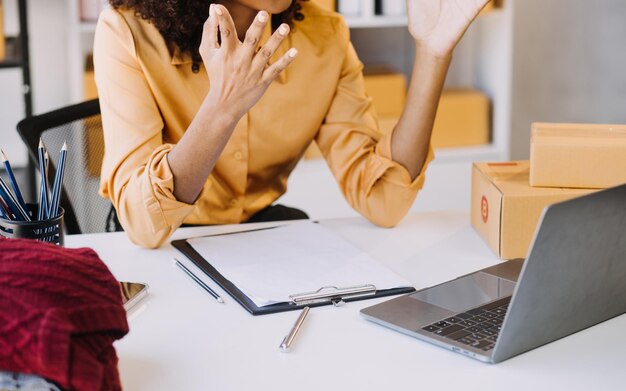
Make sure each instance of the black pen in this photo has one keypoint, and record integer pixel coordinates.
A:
(199, 281)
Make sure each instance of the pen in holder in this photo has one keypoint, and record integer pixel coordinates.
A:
(47, 230)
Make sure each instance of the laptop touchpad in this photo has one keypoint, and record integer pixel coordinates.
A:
(466, 292)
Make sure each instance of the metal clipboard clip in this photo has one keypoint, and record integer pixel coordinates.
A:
(333, 294)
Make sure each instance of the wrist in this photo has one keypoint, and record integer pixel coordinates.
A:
(425, 51)
(220, 114)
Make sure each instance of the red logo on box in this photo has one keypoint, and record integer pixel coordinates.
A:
(484, 209)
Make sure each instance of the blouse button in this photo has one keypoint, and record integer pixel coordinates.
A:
(238, 155)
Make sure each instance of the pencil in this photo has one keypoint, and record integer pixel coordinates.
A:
(12, 203)
(58, 184)
(12, 180)
(46, 161)
(43, 199)
(5, 212)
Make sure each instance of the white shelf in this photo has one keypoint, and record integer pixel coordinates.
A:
(376, 21)
(80, 44)
(487, 152)
(382, 21)
(87, 27)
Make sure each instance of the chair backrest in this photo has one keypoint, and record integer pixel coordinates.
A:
(80, 126)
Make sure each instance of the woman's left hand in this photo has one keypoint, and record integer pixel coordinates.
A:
(440, 24)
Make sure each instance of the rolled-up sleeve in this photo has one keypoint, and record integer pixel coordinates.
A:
(360, 156)
(135, 172)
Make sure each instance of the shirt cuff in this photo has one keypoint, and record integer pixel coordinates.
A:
(164, 209)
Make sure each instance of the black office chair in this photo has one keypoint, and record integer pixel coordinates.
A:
(80, 126)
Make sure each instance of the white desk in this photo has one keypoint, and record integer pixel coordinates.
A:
(182, 339)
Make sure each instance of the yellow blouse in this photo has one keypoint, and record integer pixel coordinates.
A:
(149, 95)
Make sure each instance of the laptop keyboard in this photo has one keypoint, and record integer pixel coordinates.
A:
(478, 327)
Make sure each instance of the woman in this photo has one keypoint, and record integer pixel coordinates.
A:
(205, 117)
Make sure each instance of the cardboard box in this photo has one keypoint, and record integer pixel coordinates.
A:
(387, 123)
(488, 8)
(577, 155)
(90, 90)
(3, 50)
(491, 6)
(505, 209)
(463, 119)
(93, 138)
(387, 89)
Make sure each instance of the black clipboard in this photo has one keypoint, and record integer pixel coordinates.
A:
(186, 249)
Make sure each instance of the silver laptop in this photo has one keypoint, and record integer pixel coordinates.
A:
(574, 277)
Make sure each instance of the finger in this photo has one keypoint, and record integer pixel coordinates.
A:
(276, 68)
(209, 32)
(266, 52)
(253, 35)
(228, 33)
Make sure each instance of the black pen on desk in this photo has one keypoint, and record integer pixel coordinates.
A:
(199, 281)
(12, 180)
(288, 340)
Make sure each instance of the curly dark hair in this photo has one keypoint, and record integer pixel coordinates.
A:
(180, 21)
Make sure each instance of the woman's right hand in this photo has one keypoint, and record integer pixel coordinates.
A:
(239, 74)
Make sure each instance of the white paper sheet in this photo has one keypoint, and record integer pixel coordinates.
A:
(269, 265)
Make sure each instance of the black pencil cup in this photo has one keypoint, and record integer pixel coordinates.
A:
(50, 230)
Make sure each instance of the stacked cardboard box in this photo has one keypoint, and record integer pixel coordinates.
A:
(492, 5)
(463, 119)
(488, 8)
(387, 89)
(93, 137)
(89, 82)
(577, 155)
(2, 38)
(463, 116)
(567, 161)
